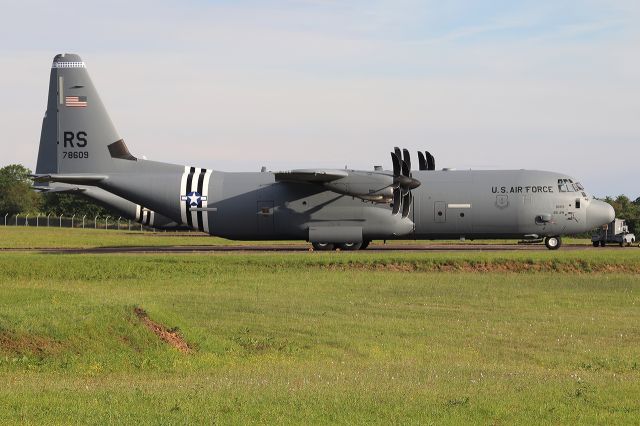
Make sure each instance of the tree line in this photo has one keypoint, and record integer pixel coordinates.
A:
(17, 197)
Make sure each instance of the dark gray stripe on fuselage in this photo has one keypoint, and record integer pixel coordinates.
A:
(186, 191)
(201, 192)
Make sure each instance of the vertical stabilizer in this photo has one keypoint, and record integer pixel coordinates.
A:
(77, 133)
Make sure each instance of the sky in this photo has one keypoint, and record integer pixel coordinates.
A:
(236, 85)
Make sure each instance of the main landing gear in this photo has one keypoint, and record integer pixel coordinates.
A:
(553, 243)
(341, 246)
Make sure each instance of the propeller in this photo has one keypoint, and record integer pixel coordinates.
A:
(431, 161)
(426, 161)
(403, 182)
(422, 162)
(407, 159)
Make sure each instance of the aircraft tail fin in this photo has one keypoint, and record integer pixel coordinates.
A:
(77, 134)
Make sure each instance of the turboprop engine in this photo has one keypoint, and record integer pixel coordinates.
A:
(381, 187)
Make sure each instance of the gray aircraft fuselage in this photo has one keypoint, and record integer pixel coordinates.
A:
(448, 204)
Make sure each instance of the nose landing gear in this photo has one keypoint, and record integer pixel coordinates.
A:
(553, 243)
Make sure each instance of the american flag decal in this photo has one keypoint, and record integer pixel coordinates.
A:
(75, 101)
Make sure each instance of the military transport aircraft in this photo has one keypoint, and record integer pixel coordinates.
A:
(329, 207)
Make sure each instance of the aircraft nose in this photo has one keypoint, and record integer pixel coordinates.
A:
(599, 213)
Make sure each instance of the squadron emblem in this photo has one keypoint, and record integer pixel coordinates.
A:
(502, 201)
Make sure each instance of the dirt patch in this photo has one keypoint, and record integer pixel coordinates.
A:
(22, 344)
(171, 336)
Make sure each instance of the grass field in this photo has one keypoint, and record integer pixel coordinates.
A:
(22, 237)
(501, 338)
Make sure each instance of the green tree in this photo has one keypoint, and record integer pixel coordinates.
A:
(16, 195)
(70, 204)
(627, 210)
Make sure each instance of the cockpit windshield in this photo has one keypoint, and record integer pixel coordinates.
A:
(568, 185)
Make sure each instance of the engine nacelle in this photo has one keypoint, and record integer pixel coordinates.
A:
(369, 186)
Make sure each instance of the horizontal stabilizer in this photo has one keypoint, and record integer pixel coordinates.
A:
(310, 175)
(50, 189)
(79, 179)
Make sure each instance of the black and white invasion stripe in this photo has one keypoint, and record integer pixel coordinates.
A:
(195, 179)
(144, 215)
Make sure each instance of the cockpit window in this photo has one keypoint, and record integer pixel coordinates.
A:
(563, 185)
(568, 185)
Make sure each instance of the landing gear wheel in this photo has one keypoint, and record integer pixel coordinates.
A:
(596, 243)
(323, 246)
(365, 244)
(349, 246)
(553, 243)
(602, 243)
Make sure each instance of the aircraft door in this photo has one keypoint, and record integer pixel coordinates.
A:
(439, 212)
(265, 218)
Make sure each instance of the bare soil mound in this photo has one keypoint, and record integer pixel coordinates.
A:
(170, 336)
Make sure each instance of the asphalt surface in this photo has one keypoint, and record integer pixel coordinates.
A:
(266, 248)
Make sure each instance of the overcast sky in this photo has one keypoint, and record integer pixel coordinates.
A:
(235, 85)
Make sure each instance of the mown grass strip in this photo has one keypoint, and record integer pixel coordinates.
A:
(135, 266)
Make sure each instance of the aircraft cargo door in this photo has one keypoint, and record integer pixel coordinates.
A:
(265, 218)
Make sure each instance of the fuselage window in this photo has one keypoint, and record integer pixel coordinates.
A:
(577, 203)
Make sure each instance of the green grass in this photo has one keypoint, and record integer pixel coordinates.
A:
(322, 338)
(23, 237)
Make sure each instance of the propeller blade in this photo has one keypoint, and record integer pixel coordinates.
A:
(406, 204)
(431, 161)
(406, 171)
(396, 201)
(422, 162)
(406, 157)
(398, 152)
(396, 164)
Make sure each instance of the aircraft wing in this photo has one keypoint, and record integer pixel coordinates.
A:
(311, 175)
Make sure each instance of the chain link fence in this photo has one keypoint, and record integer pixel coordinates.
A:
(73, 221)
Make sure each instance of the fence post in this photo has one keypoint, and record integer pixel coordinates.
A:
(95, 222)
(48, 219)
(5, 219)
(83, 220)
(17, 218)
(60, 226)
(129, 224)
(72, 220)
(38, 220)
(119, 217)
(106, 224)
(26, 220)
